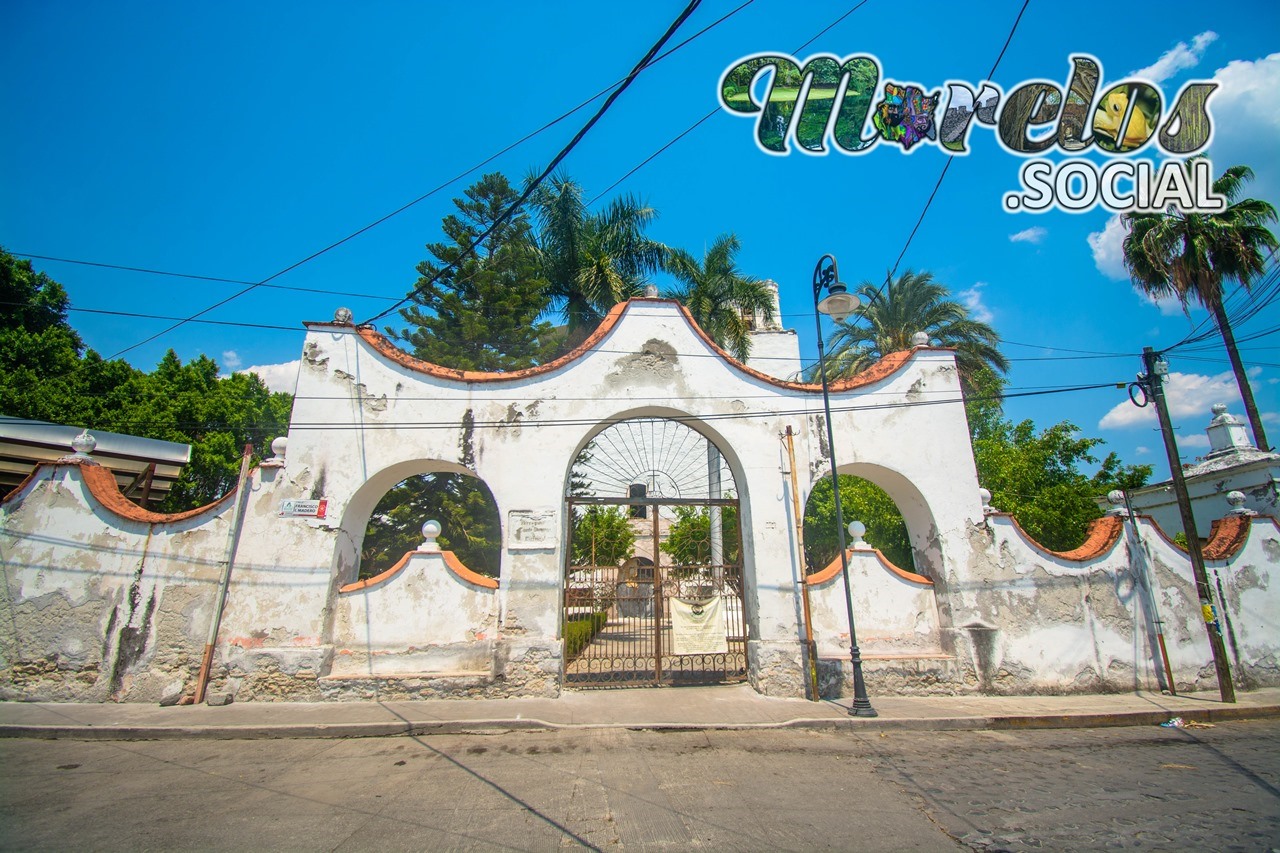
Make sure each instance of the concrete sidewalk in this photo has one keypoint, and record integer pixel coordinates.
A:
(727, 707)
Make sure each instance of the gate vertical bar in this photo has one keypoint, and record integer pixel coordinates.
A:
(657, 600)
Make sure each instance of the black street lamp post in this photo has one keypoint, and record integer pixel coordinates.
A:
(838, 304)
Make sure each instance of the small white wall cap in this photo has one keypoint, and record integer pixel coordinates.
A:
(857, 530)
(430, 530)
(1237, 499)
(83, 444)
(985, 496)
(278, 449)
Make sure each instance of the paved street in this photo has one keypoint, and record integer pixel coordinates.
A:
(1137, 788)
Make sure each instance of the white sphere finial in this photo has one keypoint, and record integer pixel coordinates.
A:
(651, 291)
(857, 530)
(1236, 499)
(1115, 497)
(985, 496)
(279, 447)
(920, 339)
(343, 317)
(430, 530)
(83, 444)
(1218, 408)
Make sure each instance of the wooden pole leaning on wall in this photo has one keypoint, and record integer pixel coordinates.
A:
(233, 538)
(810, 647)
(1156, 369)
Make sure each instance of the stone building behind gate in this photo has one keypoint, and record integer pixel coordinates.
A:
(107, 601)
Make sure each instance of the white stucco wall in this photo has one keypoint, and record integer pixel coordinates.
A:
(110, 606)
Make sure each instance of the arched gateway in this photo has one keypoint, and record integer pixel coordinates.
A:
(653, 590)
(639, 479)
(616, 436)
(646, 488)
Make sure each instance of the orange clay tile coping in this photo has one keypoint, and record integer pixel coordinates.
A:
(102, 485)
(887, 366)
(1227, 536)
(834, 567)
(1101, 537)
(451, 561)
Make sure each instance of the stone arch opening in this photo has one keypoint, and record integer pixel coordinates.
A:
(898, 519)
(861, 500)
(654, 580)
(383, 519)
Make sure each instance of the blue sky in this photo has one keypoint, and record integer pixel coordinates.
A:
(233, 140)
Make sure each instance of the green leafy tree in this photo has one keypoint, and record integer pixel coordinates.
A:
(1036, 476)
(1191, 255)
(860, 500)
(718, 295)
(602, 536)
(481, 313)
(47, 374)
(592, 261)
(464, 506)
(887, 321)
(689, 537)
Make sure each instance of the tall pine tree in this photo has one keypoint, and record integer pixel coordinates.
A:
(481, 313)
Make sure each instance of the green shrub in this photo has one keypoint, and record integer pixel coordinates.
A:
(578, 632)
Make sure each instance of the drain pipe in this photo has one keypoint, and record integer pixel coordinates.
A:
(810, 647)
(233, 536)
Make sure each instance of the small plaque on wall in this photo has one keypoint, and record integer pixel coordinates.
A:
(532, 528)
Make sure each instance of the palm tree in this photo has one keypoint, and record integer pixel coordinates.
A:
(1190, 255)
(718, 295)
(913, 303)
(592, 261)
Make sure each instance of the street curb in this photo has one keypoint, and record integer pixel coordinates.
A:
(1025, 722)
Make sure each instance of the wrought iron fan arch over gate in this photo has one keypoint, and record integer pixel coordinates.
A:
(653, 591)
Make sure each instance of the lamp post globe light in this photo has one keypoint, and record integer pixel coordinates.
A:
(838, 304)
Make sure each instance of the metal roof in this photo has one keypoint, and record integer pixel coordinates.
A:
(24, 444)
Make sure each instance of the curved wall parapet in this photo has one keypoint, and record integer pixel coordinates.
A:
(1101, 537)
(101, 483)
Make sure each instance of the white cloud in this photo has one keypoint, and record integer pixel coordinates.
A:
(1034, 235)
(1178, 58)
(1107, 246)
(1190, 396)
(231, 359)
(1142, 450)
(1246, 122)
(972, 299)
(277, 377)
(1269, 417)
(1195, 439)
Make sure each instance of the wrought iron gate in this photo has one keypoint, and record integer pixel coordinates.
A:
(619, 596)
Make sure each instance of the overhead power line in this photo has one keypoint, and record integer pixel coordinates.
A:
(646, 161)
(335, 426)
(555, 161)
(651, 61)
(943, 174)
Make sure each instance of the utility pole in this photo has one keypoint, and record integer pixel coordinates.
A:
(1153, 382)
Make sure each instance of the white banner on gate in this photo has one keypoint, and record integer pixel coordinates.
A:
(697, 627)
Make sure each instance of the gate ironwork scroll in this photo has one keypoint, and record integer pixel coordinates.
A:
(630, 563)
